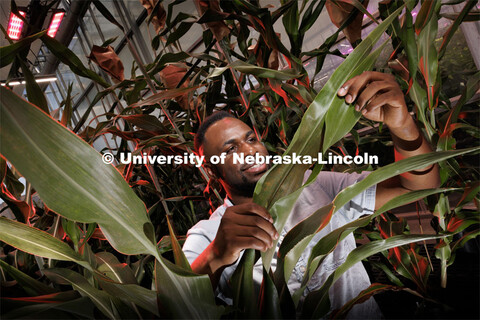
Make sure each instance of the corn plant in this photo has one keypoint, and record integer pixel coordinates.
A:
(109, 233)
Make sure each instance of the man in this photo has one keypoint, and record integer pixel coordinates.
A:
(214, 246)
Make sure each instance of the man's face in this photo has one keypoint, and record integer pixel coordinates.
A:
(229, 136)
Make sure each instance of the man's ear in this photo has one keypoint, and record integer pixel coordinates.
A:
(212, 171)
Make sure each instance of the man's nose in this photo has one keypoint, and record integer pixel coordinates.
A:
(248, 149)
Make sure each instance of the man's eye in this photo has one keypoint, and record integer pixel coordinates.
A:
(252, 139)
(231, 149)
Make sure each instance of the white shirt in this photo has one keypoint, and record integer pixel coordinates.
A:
(318, 194)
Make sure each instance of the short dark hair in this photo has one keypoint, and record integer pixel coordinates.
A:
(207, 122)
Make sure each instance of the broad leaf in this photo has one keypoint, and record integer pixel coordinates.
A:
(73, 170)
(282, 180)
(37, 242)
(101, 299)
(317, 303)
(31, 286)
(8, 53)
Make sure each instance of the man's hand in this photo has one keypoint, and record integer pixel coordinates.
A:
(378, 97)
(244, 226)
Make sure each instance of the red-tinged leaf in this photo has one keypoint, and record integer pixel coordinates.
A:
(424, 15)
(454, 223)
(428, 60)
(141, 183)
(218, 28)
(98, 234)
(129, 135)
(471, 190)
(171, 76)
(48, 298)
(156, 13)
(20, 209)
(163, 95)
(108, 60)
(146, 122)
(363, 296)
(339, 10)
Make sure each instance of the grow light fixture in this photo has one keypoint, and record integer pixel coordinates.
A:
(37, 80)
(55, 23)
(15, 26)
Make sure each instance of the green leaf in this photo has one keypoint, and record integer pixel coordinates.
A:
(424, 15)
(34, 93)
(77, 308)
(244, 300)
(8, 53)
(69, 58)
(410, 45)
(179, 32)
(389, 273)
(363, 296)
(179, 256)
(62, 166)
(109, 266)
(282, 180)
(472, 86)
(317, 303)
(329, 242)
(37, 242)
(243, 67)
(104, 11)
(163, 95)
(469, 17)
(427, 57)
(31, 286)
(102, 300)
(270, 307)
(131, 293)
(67, 110)
(183, 294)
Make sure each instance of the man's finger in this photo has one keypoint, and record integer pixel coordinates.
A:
(256, 221)
(377, 102)
(350, 88)
(250, 243)
(252, 209)
(256, 232)
(370, 92)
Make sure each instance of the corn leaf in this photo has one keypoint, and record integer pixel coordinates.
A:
(102, 300)
(109, 266)
(37, 242)
(73, 170)
(282, 180)
(178, 255)
(317, 303)
(131, 293)
(8, 53)
(31, 286)
(34, 93)
(298, 238)
(69, 58)
(451, 31)
(427, 57)
(81, 308)
(243, 67)
(183, 294)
